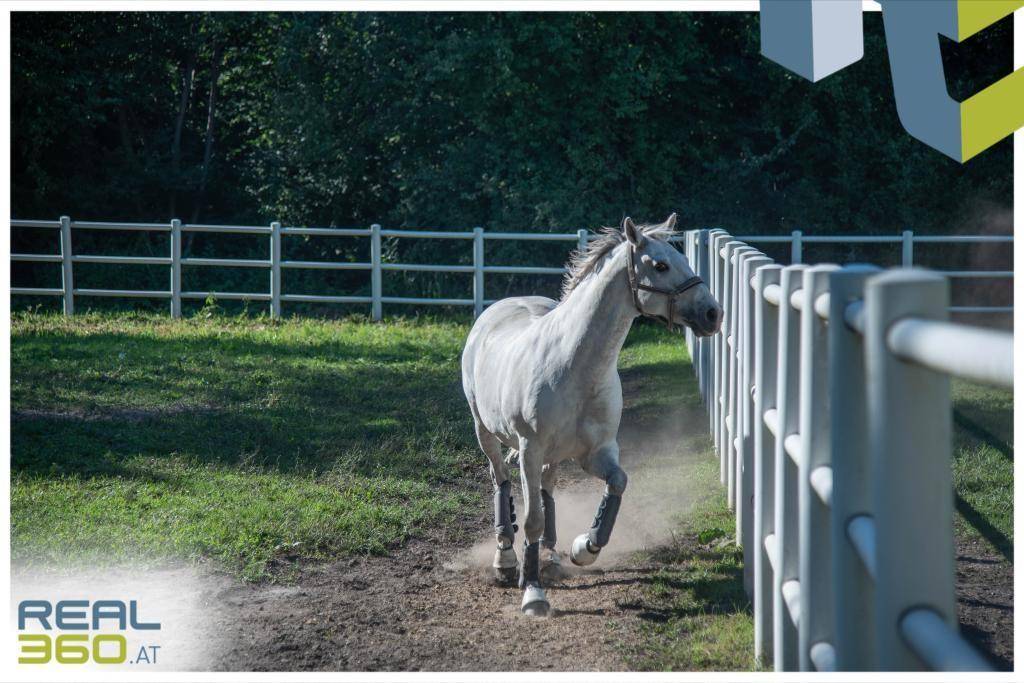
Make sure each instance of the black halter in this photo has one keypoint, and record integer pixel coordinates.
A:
(635, 287)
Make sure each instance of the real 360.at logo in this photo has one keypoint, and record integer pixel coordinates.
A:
(82, 631)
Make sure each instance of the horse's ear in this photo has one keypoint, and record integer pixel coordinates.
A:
(670, 222)
(634, 236)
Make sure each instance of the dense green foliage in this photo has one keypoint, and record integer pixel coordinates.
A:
(512, 121)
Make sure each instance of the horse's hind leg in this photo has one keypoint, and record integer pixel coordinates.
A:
(604, 464)
(550, 565)
(505, 565)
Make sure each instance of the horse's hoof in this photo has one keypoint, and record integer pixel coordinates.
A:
(506, 566)
(550, 565)
(581, 553)
(506, 576)
(535, 603)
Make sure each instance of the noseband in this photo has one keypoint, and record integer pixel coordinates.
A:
(635, 287)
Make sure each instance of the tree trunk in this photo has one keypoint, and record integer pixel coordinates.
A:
(124, 127)
(187, 76)
(210, 118)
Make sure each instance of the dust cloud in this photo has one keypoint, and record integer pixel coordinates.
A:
(985, 219)
(658, 496)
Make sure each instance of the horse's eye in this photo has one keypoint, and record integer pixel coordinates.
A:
(661, 267)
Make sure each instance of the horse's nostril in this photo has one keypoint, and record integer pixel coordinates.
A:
(713, 314)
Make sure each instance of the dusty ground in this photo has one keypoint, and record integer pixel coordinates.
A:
(424, 608)
(984, 585)
(428, 607)
(421, 614)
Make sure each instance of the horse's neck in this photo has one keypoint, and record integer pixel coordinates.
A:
(599, 313)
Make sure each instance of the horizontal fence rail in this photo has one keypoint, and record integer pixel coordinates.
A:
(376, 267)
(276, 264)
(828, 392)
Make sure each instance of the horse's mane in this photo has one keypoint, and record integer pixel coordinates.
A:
(583, 262)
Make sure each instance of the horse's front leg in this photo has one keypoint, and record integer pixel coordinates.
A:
(531, 462)
(604, 464)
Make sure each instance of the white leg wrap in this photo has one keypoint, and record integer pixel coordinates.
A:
(505, 566)
(505, 557)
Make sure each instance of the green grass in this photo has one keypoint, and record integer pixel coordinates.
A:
(698, 615)
(983, 464)
(141, 438)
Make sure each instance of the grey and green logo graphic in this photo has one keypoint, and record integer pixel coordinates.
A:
(816, 38)
(80, 631)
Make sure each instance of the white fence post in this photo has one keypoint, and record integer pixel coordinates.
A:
(688, 250)
(376, 286)
(910, 419)
(703, 343)
(275, 270)
(787, 400)
(796, 252)
(725, 368)
(175, 268)
(815, 629)
(851, 494)
(907, 259)
(715, 259)
(732, 402)
(746, 418)
(478, 272)
(766, 327)
(67, 272)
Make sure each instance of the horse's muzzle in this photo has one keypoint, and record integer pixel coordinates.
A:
(707, 321)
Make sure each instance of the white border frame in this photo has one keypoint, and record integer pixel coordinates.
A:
(8, 657)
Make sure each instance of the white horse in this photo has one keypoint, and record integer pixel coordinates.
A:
(541, 378)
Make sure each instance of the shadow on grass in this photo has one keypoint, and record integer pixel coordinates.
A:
(997, 538)
(237, 402)
(976, 427)
(89, 404)
(660, 391)
(720, 592)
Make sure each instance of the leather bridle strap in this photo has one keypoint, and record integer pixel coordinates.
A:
(635, 287)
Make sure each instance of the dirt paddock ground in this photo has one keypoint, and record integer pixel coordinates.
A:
(417, 610)
(433, 608)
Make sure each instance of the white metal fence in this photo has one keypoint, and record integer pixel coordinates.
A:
(276, 263)
(376, 267)
(829, 399)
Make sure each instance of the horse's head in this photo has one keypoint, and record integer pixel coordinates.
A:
(664, 284)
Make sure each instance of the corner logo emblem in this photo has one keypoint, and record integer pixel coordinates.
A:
(816, 38)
